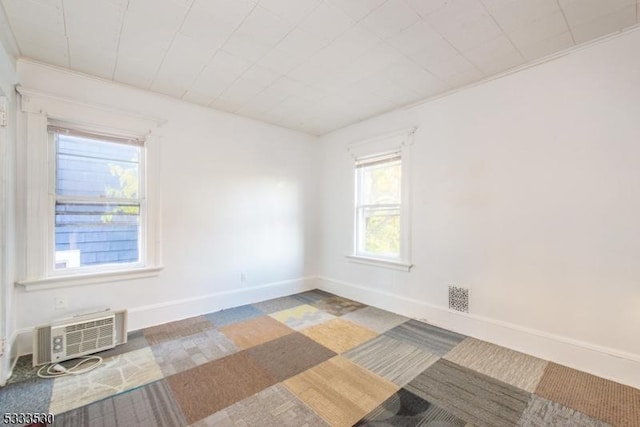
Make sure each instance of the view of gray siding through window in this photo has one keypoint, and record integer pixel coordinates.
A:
(97, 211)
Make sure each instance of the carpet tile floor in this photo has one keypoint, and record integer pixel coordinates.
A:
(316, 359)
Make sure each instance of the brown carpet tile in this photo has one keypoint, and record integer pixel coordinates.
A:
(208, 388)
(337, 305)
(597, 397)
(289, 355)
(339, 335)
(340, 391)
(256, 331)
(179, 329)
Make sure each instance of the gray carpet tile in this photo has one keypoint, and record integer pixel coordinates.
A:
(30, 396)
(404, 408)
(315, 295)
(23, 370)
(151, 405)
(542, 412)
(233, 315)
(274, 406)
(277, 304)
(431, 338)
(469, 395)
(185, 353)
(394, 360)
(135, 341)
(375, 319)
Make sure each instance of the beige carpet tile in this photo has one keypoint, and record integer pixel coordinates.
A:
(604, 400)
(178, 329)
(272, 407)
(337, 306)
(208, 388)
(117, 374)
(518, 369)
(339, 335)
(302, 316)
(542, 413)
(256, 331)
(340, 391)
(469, 395)
(375, 319)
(289, 355)
(185, 353)
(150, 405)
(277, 304)
(135, 341)
(396, 361)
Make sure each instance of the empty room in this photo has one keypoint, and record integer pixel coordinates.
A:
(320, 212)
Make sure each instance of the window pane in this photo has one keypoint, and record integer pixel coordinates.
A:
(95, 168)
(94, 234)
(382, 231)
(381, 183)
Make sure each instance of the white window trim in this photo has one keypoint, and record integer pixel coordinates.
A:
(401, 141)
(36, 195)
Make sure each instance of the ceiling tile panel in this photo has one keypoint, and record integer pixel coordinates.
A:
(390, 19)
(326, 21)
(582, 12)
(292, 11)
(280, 61)
(547, 46)
(605, 24)
(512, 15)
(358, 9)
(540, 29)
(465, 35)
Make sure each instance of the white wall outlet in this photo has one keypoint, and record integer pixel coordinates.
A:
(243, 277)
(60, 303)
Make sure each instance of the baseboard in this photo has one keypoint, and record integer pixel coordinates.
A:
(155, 314)
(619, 366)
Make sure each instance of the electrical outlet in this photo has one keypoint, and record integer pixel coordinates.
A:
(60, 303)
(243, 277)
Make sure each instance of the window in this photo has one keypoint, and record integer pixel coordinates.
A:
(88, 193)
(98, 200)
(378, 206)
(382, 220)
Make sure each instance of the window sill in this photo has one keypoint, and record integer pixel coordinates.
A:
(376, 262)
(88, 279)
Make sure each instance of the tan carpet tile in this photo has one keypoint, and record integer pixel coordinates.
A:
(178, 329)
(208, 388)
(302, 316)
(518, 369)
(542, 412)
(340, 391)
(597, 397)
(339, 335)
(255, 331)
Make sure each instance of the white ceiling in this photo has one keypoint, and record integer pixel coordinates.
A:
(311, 65)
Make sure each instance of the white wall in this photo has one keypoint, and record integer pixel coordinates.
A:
(237, 196)
(8, 78)
(526, 190)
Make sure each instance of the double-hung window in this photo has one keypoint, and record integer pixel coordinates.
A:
(382, 179)
(99, 201)
(88, 193)
(378, 206)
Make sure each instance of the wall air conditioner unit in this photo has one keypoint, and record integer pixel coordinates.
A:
(78, 336)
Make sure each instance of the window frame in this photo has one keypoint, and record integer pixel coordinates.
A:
(36, 188)
(395, 143)
(52, 271)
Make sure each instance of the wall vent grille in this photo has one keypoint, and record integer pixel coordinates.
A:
(459, 299)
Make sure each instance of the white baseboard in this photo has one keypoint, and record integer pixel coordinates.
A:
(155, 314)
(616, 365)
